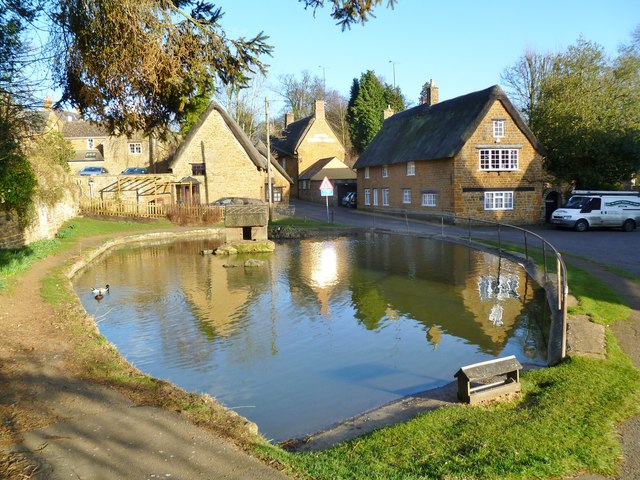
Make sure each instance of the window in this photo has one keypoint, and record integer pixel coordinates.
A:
(305, 184)
(276, 194)
(375, 197)
(498, 159)
(498, 200)
(366, 173)
(135, 148)
(385, 197)
(428, 199)
(498, 128)
(385, 171)
(198, 169)
(411, 169)
(90, 145)
(367, 196)
(406, 195)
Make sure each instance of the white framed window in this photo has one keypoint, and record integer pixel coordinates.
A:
(503, 159)
(367, 196)
(428, 199)
(375, 197)
(385, 171)
(385, 197)
(406, 195)
(304, 184)
(498, 128)
(411, 169)
(366, 173)
(498, 200)
(90, 144)
(135, 148)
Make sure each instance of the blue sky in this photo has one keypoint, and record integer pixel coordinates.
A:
(464, 45)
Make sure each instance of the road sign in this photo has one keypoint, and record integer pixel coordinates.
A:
(326, 184)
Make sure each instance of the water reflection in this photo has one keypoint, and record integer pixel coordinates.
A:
(364, 320)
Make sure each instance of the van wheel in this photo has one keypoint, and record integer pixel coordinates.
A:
(629, 226)
(581, 226)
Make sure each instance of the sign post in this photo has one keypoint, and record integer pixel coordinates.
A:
(326, 190)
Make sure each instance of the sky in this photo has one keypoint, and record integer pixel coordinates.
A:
(463, 45)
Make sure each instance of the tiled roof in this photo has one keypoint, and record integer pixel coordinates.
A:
(287, 143)
(341, 173)
(438, 131)
(82, 129)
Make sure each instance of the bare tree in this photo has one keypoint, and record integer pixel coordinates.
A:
(523, 80)
(300, 95)
(244, 104)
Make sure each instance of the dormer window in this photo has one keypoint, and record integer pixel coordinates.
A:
(411, 169)
(498, 129)
(385, 171)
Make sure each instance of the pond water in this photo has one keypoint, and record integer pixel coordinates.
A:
(325, 330)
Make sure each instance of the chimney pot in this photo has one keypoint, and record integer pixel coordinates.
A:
(319, 110)
(288, 119)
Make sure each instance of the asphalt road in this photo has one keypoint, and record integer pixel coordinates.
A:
(608, 247)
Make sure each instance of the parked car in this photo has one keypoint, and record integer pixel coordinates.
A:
(237, 201)
(134, 171)
(93, 171)
(350, 200)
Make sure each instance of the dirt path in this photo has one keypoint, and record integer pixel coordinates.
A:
(75, 429)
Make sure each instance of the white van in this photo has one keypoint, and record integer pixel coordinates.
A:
(586, 209)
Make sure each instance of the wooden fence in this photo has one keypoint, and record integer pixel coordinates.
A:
(177, 213)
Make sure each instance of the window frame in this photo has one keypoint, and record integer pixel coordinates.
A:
(499, 128)
(425, 197)
(366, 173)
(505, 199)
(367, 196)
(198, 169)
(385, 197)
(375, 197)
(498, 159)
(411, 169)
(90, 144)
(406, 196)
(135, 148)
(385, 171)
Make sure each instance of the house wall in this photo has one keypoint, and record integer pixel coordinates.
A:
(319, 142)
(459, 182)
(526, 182)
(115, 151)
(229, 171)
(431, 175)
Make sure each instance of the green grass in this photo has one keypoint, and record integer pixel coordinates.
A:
(14, 261)
(300, 222)
(563, 424)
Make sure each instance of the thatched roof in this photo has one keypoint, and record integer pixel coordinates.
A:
(438, 131)
(83, 129)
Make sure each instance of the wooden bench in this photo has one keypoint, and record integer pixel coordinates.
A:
(488, 380)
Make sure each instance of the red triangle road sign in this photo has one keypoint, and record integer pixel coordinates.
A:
(326, 184)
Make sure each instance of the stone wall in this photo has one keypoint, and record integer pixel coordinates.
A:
(46, 222)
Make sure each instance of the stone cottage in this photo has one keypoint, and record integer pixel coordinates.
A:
(216, 159)
(472, 156)
(303, 142)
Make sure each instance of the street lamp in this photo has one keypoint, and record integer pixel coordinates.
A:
(324, 82)
(393, 64)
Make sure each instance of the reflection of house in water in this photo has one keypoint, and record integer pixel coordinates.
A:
(437, 285)
(323, 265)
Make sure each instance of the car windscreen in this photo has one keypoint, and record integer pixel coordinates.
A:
(576, 202)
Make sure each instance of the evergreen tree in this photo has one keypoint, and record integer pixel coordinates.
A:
(368, 101)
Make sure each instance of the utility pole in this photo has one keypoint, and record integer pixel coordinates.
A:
(266, 115)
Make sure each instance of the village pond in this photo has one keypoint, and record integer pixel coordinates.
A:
(324, 330)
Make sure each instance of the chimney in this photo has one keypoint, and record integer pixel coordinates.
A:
(288, 119)
(319, 111)
(48, 103)
(429, 94)
(387, 112)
